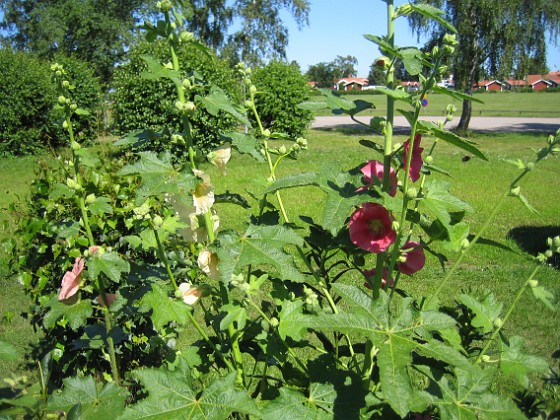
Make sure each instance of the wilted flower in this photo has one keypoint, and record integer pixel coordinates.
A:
(416, 161)
(109, 297)
(203, 196)
(414, 258)
(371, 228)
(220, 157)
(208, 263)
(374, 171)
(369, 274)
(71, 280)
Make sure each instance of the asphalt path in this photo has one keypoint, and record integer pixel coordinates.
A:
(478, 124)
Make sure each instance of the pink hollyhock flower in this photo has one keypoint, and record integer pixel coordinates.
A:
(370, 228)
(414, 258)
(373, 172)
(71, 280)
(416, 161)
(369, 274)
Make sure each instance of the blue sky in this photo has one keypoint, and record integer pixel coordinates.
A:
(337, 28)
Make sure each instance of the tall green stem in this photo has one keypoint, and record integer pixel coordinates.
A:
(388, 146)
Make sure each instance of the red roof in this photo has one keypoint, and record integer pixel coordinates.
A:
(350, 80)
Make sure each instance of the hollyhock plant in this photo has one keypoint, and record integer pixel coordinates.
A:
(208, 263)
(416, 160)
(203, 197)
(414, 258)
(71, 280)
(371, 228)
(369, 274)
(374, 171)
(191, 294)
(220, 157)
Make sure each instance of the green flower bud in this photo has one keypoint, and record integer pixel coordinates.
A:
(187, 85)
(395, 225)
(548, 253)
(556, 240)
(253, 89)
(302, 142)
(498, 323)
(533, 283)
(65, 125)
(465, 244)
(73, 107)
(249, 104)
(429, 159)
(485, 358)
(530, 166)
(158, 221)
(515, 191)
(65, 84)
(58, 73)
(164, 6)
(411, 193)
(173, 25)
(282, 150)
(382, 62)
(549, 242)
(248, 71)
(90, 198)
(450, 39)
(190, 107)
(266, 133)
(274, 322)
(73, 184)
(75, 146)
(186, 36)
(62, 100)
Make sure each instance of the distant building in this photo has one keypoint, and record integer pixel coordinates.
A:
(349, 83)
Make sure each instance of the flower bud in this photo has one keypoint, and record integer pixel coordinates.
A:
(249, 104)
(62, 100)
(248, 82)
(282, 150)
(274, 322)
(411, 193)
(73, 107)
(164, 6)
(75, 146)
(65, 84)
(450, 39)
(498, 323)
(515, 191)
(465, 244)
(158, 221)
(186, 83)
(186, 36)
(253, 89)
(556, 240)
(395, 225)
(382, 62)
(302, 142)
(533, 283)
(530, 166)
(73, 184)
(90, 198)
(190, 107)
(266, 133)
(485, 358)
(429, 159)
(173, 25)
(548, 253)
(58, 73)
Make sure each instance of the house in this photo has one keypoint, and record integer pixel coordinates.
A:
(349, 83)
(513, 84)
(312, 84)
(411, 85)
(490, 86)
(543, 81)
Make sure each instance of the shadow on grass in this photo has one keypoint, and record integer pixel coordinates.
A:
(532, 239)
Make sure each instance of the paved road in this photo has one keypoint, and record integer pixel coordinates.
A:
(479, 124)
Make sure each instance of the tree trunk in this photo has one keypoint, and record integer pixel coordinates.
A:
(465, 116)
(472, 75)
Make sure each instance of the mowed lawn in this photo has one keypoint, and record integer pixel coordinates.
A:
(496, 104)
(485, 270)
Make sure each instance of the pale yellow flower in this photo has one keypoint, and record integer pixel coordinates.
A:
(208, 263)
(190, 294)
(220, 157)
(203, 196)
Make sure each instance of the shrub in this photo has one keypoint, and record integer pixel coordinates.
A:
(281, 88)
(28, 122)
(26, 98)
(141, 104)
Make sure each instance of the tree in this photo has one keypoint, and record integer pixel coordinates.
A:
(262, 34)
(345, 66)
(322, 73)
(494, 37)
(377, 75)
(96, 31)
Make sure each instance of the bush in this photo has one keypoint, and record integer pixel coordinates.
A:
(28, 122)
(281, 88)
(26, 99)
(141, 104)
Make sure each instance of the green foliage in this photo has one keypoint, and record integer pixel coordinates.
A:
(28, 122)
(141, 103)
(281, 87)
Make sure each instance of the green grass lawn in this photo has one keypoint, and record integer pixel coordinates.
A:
(479, 183)
(498, 104)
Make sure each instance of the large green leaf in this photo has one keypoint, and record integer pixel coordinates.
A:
(467, 397)
(76, 314)
(412, 60)
(486, 312)
(218, 101)
(101, 205)
(455, 94)
(291, 310)
(171, 396)
(433, 13)
(518, 364)
(258, 245)
(544, 296)
(384, 45)
(159, 176)
(291, 181)
(245, 143)
(397, 94)
(97, 401)
(108, 263)
(451, 138)
(165, 309)
(157, 71)
(441, 202)
(292, 404)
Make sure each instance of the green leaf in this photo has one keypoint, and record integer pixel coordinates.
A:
(291, 181)
(108, 263)
(397, 94)
(335, 101)
(518, 364)
(544, 296)
(101, 205)
(258, 245)
(60, 190)
(172, 397)
(451, 138)
(292, 404)
(455, 94)
(439, 200)
(312, 105)
(289, 325)
(486, 312)
(157, 71)
(165, 309)
(525, 202)
(97, 401)
(88, 157)
(433, 13)
(245, 143)
(384, 45)
(76, 314)
(8, 353)
(412, 60)
(159, 176)
(233, 313)
(218, 101)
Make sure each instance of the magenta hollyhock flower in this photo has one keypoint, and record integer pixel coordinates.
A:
(371, 273)
(373, 171)
(71, 280)
(416, 161)
(371, 228)
(414, 258)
